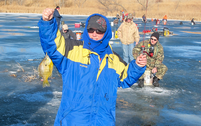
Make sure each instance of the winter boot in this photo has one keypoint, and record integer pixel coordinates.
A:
(155, 82)
(141, 83)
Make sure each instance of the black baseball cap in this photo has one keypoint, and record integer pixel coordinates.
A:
(97, 22)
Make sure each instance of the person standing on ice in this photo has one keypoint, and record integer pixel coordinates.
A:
(128, 34)
(91, 71)
(57, 16)
(144, 19)
(192, 22)
(155, 56)
(164, 18)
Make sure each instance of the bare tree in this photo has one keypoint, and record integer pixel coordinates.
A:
(158, 1)
(62, 3)
(146, 3)
(5, 2)
(111, 6)
(79, 3)
(177, 5)
(20, 2)
(10, 1)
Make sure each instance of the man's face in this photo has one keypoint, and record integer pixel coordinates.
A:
(128, 20)
(153, 40)
(95, 34)
(65, 31)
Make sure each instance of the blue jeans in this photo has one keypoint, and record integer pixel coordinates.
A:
(127, 52)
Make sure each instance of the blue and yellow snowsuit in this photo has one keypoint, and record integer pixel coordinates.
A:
(90, 83)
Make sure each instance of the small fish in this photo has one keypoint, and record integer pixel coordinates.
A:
(45, 70)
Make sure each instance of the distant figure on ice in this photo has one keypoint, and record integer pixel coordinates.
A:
(155, 56)
(181, 23)
(67, 33)
(128, 34)
(165, 20)
(192, 22)
(91, 71)
(157, 21)
(57, 16)
(122, 15)
(116, 20)
(144, 19)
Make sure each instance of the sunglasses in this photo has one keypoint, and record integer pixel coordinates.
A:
(153, 39)
(91, 30)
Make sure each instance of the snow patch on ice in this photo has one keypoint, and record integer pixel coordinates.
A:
(39, 96)
(149, 90)
(187, 118)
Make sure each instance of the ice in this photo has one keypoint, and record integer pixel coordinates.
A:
(187, 119)
(176, 102)
(149, 90)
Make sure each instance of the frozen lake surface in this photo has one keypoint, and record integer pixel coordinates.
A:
(24, 102)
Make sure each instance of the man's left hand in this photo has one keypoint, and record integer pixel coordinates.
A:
(141, 60)
(154, 70)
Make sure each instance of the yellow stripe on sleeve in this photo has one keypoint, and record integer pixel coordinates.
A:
(118, 66)
(125, 73)
(60, 43)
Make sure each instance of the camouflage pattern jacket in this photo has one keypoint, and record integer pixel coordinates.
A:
(128, 33)
(158, 54)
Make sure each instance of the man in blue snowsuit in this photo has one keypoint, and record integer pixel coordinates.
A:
(91, 71)
(57, 16)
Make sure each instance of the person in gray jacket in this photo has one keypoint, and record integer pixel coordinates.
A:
(67, 33)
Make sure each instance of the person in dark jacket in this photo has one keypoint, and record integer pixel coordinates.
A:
(192, 22)
(67, 33)
(144, 19)
(57, 16)
(91, 71)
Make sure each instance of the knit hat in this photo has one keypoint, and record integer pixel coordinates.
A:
(155, 34)
(97, 22)
(130, 16)
(65, 27)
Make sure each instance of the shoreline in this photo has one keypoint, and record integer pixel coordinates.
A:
(89, 15)
(183, 10)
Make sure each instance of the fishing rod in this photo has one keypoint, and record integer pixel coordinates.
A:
(143, 47)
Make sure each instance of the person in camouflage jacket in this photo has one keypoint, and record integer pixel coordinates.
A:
(155, 56)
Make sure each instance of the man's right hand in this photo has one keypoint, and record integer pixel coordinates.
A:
(48, 14)
(141, 60)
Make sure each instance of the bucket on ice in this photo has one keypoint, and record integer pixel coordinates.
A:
(164, 22)
(166, 32)
(77, 25)
(112, 23)
(78, 35)
(112, 34)
(116, 36)
(148, 79)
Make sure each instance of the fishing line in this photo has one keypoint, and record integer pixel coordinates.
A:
(145, 21)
